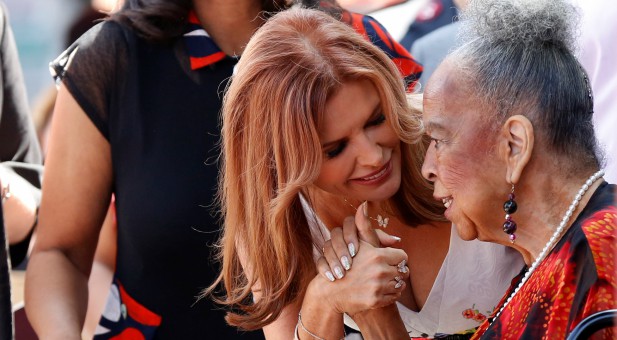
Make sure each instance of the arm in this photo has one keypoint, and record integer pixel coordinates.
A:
(383, 323)
(102, 273)
(283, 327)
(76, 197)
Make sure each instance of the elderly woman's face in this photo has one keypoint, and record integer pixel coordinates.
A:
(461, 160)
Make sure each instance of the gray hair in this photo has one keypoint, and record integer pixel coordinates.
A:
(519, 58)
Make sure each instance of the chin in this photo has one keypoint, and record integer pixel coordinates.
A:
(466, 232)
(390, 188)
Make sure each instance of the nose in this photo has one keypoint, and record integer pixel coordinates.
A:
(428, 167)
(370, 153)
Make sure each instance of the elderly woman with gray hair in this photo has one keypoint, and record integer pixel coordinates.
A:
(510, 117)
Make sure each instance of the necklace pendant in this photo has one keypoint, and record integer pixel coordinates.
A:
(382, 222)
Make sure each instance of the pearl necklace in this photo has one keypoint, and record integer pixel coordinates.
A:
(555, 238)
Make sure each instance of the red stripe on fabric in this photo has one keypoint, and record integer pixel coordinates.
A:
(402, 51)
(407, 66)
(138, 312)
(129, 334)
(385, 37)
(198, 62)
(358, 25)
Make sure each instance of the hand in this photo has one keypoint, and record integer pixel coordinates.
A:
(338, 252)
(378, 279)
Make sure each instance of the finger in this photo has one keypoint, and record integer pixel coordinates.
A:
(397, 261)
(393, 256)
(386, 239)
(350, 234)
(340, 247)
(324, 269)
(363, 223)
(333, 261)
(390, 298)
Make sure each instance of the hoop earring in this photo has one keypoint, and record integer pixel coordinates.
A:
(510, 206)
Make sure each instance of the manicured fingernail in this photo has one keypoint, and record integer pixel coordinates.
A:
(330, 276)
(352, 249)
(338, 272)
(345, 262)
(396, 238)
(365, 208)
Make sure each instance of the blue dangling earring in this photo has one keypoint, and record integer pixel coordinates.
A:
(509, 226)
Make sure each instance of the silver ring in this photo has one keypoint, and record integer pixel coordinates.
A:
(399, 282)
(402, 267)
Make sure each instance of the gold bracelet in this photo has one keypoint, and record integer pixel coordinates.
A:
(6, 192)
(310, 333)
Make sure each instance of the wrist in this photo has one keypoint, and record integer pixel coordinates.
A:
(318, 317)
(321, 295)
(381, 323)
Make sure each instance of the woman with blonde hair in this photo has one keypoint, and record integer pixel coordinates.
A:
(315, 126)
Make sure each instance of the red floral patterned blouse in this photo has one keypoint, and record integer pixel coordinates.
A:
(577, 279)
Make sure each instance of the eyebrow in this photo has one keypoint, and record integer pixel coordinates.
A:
(435, 126)
(375, 110)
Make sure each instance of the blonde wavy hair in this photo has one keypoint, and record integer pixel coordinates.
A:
(271, 153)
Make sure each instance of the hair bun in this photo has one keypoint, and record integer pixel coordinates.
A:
(527, 22)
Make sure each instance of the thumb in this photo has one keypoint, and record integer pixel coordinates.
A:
(366, 232)
(386, 239)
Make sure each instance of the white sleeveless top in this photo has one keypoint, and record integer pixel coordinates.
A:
(472, 279)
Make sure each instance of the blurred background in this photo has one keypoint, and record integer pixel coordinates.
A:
(41, 29)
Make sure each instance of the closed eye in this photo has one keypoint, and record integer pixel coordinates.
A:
(437, 142)
(337, 150)
(377, 121)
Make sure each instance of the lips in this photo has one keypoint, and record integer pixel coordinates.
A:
(376, 176)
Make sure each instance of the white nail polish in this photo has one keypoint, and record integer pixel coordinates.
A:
(345, 262)
(330, 276)
(396, 238)
(352, 249)
(338, 272)
(398, 284)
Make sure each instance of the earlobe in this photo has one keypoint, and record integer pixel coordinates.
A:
(519, 137)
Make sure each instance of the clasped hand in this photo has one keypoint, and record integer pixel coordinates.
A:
(378, 276)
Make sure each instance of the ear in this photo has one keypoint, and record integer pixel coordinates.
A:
(518, 142)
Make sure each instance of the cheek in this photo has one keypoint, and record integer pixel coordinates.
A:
(458, 167)
(333, 174)
(388, 136)
(454, 172)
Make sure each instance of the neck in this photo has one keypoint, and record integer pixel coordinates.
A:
(229, 23)
(542, 206)
(333, 209)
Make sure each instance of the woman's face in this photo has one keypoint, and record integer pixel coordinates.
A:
(362, 157)
(462, 159)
